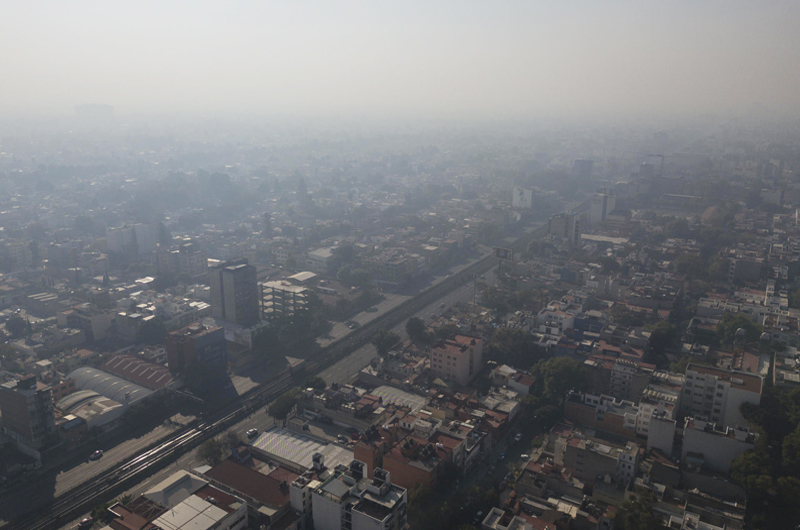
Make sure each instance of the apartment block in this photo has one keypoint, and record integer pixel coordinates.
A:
(717, 394)
(27, 409)
(457, 359)
(708, 446)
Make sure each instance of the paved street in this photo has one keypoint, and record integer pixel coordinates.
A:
(341, 372)
(54, 484)
(348, 367)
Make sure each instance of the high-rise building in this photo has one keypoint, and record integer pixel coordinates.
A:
(234, 293)
(566, 226)
(27, 408)
(602, 204)
(196, 344)
(132, 239)
(522, 198)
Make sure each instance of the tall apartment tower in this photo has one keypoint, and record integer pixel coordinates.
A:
(28, 413)
(234, 293)
(566, 226)
(601, 205)
(522, 198)
(196, 344)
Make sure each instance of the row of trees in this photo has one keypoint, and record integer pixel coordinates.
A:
(770, 473)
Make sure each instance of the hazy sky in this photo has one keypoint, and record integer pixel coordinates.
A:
(406, 58)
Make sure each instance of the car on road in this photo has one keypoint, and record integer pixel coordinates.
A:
(252, 433)
(97, 455)
(518, 437)
(86, 523)
(503, 485)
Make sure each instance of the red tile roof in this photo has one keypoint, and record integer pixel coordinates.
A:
(149, 375)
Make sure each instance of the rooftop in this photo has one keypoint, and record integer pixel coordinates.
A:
(299, 449)
(265, 489)
(740, 380)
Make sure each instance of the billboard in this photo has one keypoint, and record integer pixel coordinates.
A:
(505, 254)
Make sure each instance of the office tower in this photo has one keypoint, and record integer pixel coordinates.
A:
(234, 293)
(602, 204)
(196, 344)
(566, 226)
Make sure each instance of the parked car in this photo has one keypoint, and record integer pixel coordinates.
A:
(86, 523)
(525, 456)
(252, 433)
(97, 455)
(503, 485)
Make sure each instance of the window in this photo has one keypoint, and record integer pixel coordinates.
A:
(719, 394)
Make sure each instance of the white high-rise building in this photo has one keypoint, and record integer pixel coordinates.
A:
(522, 198)
(567, 227)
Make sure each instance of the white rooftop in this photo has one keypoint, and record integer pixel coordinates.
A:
(192, 514)
(299, 449)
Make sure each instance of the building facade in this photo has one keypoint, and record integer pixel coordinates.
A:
(27, 409)
(234, 293)
(196, 344)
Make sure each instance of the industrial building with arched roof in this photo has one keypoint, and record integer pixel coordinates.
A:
(108, 385)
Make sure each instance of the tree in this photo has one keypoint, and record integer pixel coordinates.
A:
(718, 271)
(727, 326)
(417, 330)
(691, 266)
(7, 353)
(548, 416)
(662, 336)
(637, 513)
(281, 407)
(749, 470)
(16, 326)
(679, 367)
(446, 331)
(789, 488)
(230, 441)
(557, 375)
(210, 452)
(790, 453)
(315, 382)
(384, 340)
